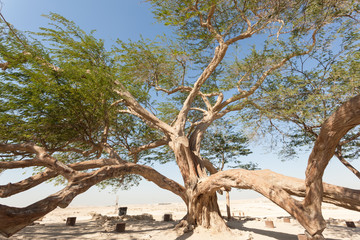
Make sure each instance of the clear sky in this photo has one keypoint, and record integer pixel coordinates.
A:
(128, 19)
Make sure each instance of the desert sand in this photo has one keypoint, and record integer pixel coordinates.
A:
(144, 222)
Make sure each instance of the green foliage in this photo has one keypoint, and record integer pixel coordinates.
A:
(125, 182)
(223, 144)
(48, 106)
(157, 64)
(58, 92)
(298, 99)
(228, 17)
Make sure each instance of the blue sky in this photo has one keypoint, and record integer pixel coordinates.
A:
(128, 19)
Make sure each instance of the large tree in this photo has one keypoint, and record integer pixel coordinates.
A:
(68, 105)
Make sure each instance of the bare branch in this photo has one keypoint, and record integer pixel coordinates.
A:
(349, 139)
(30, 182)
(338, 154)
(21, 164)
(266, 182)
(141, 112)
(181, 89)
(158, 143)
(41, 156)
(218, 56)
(198, 109)
(279, 189)
(332, 130)
(14, 219)
(209, 166)
(207, 24)
(245, 94)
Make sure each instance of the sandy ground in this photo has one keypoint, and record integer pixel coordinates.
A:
(250, 225)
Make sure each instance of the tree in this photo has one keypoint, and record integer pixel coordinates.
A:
(326, 78)
(223, 144)
(68, 105)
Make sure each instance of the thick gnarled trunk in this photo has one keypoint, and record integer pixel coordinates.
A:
(199, 192)
(203, 209)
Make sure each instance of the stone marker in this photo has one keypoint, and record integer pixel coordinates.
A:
(168, 217)
(269, 224)
(350, 224)
(122, 211)
(120, 227)
(70, 221)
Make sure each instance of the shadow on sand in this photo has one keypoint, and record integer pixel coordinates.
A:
(239, 224)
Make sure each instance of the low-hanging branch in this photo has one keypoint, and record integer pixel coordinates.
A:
(30, 182)
(14, 219)
(267, 183)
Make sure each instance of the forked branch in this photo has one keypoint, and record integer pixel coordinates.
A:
(14, 219)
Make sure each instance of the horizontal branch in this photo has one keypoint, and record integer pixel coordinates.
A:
(21, 164)
(42, 158)
(177, 89)
(26, 184)
(30, 182)
(14, 219)
(155, 144)
(267, 183)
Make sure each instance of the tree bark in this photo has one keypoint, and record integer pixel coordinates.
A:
(14, 219)
(279, 189)
(199, 192)
(228, 205)
(332, 130)
(339, 155)
(203, 209)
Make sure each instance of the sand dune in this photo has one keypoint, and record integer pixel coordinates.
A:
(250, 225)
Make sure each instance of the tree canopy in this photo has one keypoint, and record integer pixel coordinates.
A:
(95, 115)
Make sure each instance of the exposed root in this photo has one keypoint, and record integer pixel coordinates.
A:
(317, 236)
(184, 227)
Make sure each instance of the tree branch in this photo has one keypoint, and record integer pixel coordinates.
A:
(349, 139)
(332, 130)
(266, 182)
(141, 112)
(279, 189)
(21, 164)
(338, 154)
(14, 219)
(158, 143)
(30, 182)
(218, 56)
(41, 156)
(245, 94)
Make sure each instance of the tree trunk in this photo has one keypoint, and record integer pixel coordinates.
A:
(203, 209)
(228, 205)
